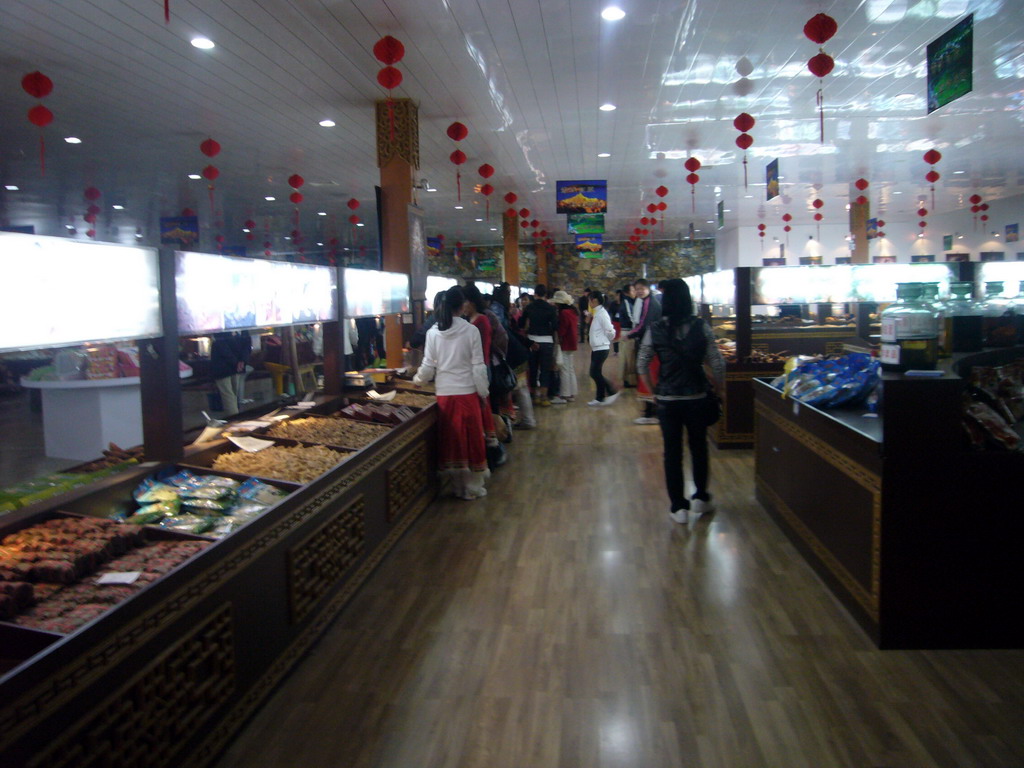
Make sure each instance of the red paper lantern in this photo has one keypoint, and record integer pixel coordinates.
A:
(295, 181)
(524, 224)
(817, 202)
(984, 217)
(922, 223)
(524, 212)
(93, 209)
(210, 172)
(536, 234)
(40, 116)
(187, 212)
(932, 176)
(90, 217)
(219, 238)
(975, 199)
(861, 184)
(91, 193)
(353, 219)
(692, 164)
(743, 122)
(761, 226)
(651, 207)
(932, 156)
(486, 170)
(636, 230)
(458, 157)
(787, 228)
(862, 200)
(210, 148)
(266, 252)
(457, 131)
(90, 232)
(744, 141)
(662, 206)
(975, 208)
(881, 223)
(511, 213)
(645, 221)
(693, 178)
(295, 197)
(818, 217)
(820, 28)
(534, 223)
(486, 190)
(249, 224)
(661, 191)
(644, 232)
(37, 85)
(510, 197)
(352, 204)
(984, 206)
(389, 78)
(266, 243)
(762, 234)
(296, 235)
(821, 64)
(250, 236)
(543, 233)
(787, 217)
(388, 50)
(922, 211)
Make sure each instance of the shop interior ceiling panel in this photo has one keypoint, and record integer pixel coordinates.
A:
(527, 78)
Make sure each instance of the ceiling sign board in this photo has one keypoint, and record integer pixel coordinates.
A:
(590, 246)
(58, 292)
(581, 196)
(586, 223)
(950, 64)
(771, 177)
(224, 293)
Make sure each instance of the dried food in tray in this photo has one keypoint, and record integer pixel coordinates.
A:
(292, 463)
(335, 430)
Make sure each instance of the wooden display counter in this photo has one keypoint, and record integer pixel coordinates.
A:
(166, 677)
(736, 427)
(917, 536)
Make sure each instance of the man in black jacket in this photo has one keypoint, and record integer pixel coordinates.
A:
(583, 305)
(540, 321)
(625, 318)
(646, 312)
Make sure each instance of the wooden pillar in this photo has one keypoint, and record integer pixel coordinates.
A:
(510, 237)
(859, 215)
(398, 157)
(160, 382)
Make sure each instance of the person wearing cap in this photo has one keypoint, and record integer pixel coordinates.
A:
(568, 320)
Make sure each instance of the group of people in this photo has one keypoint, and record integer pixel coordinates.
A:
(492, 361)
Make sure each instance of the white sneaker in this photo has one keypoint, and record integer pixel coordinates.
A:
(701, 507)
(596, 402)
(681, 516)
(645, 420)
(611, 399)
(558, 401)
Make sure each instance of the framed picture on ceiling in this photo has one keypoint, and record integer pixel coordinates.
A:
(1012, 233)
(950, 63)
(771, 177)
(581, 196)
(721, 214)
(947, 242)
(589, 246)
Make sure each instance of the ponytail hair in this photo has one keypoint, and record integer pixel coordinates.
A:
(454, 298)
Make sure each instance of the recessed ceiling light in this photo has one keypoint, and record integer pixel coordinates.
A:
(604, 154)
(270, 198)
(203, 42)
(117, 207)
(69, 226)
(709, 221)
(320, 244)
(727, 210)
(11, 187)
(959, 172)
(431, 189)
(613, 13)
(478, 219)
(72, 140)
(458, 207)
(360, 224)
(327, 123)
(748, 196)
(607, 107)
(494, 229)
(897, 193)
(246, 230)
(194, 176)
(321, 213)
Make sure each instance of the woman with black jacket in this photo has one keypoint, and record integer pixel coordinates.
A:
(684, 344)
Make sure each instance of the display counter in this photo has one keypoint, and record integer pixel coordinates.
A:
(916, 535)
(166, 677)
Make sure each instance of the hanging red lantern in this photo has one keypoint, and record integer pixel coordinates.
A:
(511, 213)
(818, 217)
(389, 78)
(787, 228)
(984, 217)
(524, 224)
(692, 164)
(881, 222)
(820, 29)
(817, 202)
(210, 148)
(645, 221)
(353, 219)
(352, 204)
(661, 191)
(486, 170)
(743, 122)
(636, 230)
(93, 209)
(922, 211)
(91, 193)
(249, 224)
(510, 198)
(39, 86)
(644, 232)
(187, 212)
(487, 190)
(984, 206)
(975, 199)
(524, 213)
(932, 176)
(90, 218)
(693, 178)
(211, 172)
(296, 197)
(457, 131)
(534, 223)
(861, 184)
(40, 116)
(458, 157)
(219, 238)
(861, 200)
(544, 233)
(91, 233)
(662, 206)
(295, 181)
(975, 208)
(744, 141)
(821, 65)
(762, 234)
(932, 156)
(651, 207)
(388, 50)
(762, 227)
(922, 223)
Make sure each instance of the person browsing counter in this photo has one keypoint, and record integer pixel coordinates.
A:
(540, 321)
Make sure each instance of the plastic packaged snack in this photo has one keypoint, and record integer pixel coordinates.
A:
(150, 491)
(217, 506)
(208, 492)
(259, 492)
(146, 518)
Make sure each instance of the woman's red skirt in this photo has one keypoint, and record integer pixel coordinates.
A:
(461, 433)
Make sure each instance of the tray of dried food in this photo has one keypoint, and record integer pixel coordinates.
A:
(286, 460)
(336, 430)
(414, 399)
(378, 412)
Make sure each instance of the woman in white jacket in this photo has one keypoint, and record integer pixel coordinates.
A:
(453, 358)
(602, 333)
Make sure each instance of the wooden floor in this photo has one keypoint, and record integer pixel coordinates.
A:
(566, 621)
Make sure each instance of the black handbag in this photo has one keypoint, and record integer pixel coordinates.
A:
(712, 410)
(503, 378)
(517, 353)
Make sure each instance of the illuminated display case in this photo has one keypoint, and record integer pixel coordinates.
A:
(370, 293)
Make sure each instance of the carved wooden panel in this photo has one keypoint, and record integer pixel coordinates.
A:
(146, 722)
(836, 348)
(406, 481)
(316, 564)
(398, 131)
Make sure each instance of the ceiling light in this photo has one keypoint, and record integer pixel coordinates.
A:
(320, 244)
(327, 123)
(11, 187)
(897, 193)
(607, 107)
(69, 226)
(494, 229)
(117, 207)
(321, 213)
(957, 173)
(727, 210)
(246, 230)
(203, 42)
(270, 198)
(458, 207)
(360, 224)
(479, 219)
(72, 140)
(709, 221)
(748, 196)
(613, 13)
(604, 154)
(431, 189)
(194, 176)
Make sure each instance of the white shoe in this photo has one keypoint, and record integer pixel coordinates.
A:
(558, 401)
(596, 402)
(701, 507)
(681, 516)
(611, 399)
(645, 420)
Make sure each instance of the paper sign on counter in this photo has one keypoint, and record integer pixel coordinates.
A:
(119, 577)
(250, 444)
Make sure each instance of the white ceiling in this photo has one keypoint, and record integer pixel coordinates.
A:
(526, 77)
